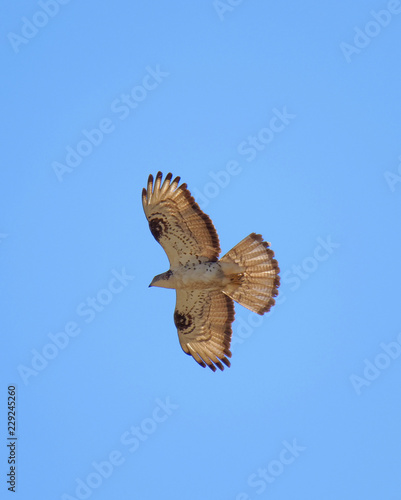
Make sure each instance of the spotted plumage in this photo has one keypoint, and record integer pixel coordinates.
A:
(206, 287)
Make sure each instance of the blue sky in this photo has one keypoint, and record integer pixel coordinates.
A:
(282, 119)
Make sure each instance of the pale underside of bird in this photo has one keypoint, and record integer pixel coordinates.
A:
(206, 286)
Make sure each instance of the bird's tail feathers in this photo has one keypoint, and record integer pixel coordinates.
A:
(257, 284)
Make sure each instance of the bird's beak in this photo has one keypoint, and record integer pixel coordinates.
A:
(151, 283)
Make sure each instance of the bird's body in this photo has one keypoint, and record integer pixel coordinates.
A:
(206, 287)
(198, 276)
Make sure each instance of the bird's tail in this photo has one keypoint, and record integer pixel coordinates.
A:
(256, 285)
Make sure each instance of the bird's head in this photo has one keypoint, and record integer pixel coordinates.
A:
(164, 280)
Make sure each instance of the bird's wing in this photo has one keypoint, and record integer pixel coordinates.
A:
(203, 319)
(177, 222)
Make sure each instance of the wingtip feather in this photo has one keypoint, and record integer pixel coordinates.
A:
(144, 197)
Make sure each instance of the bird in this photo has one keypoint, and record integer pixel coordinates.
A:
(206, 286)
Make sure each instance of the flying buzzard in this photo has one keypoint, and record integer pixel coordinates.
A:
(206, 287)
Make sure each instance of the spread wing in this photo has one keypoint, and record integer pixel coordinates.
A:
(203, 319)
(177, 222)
